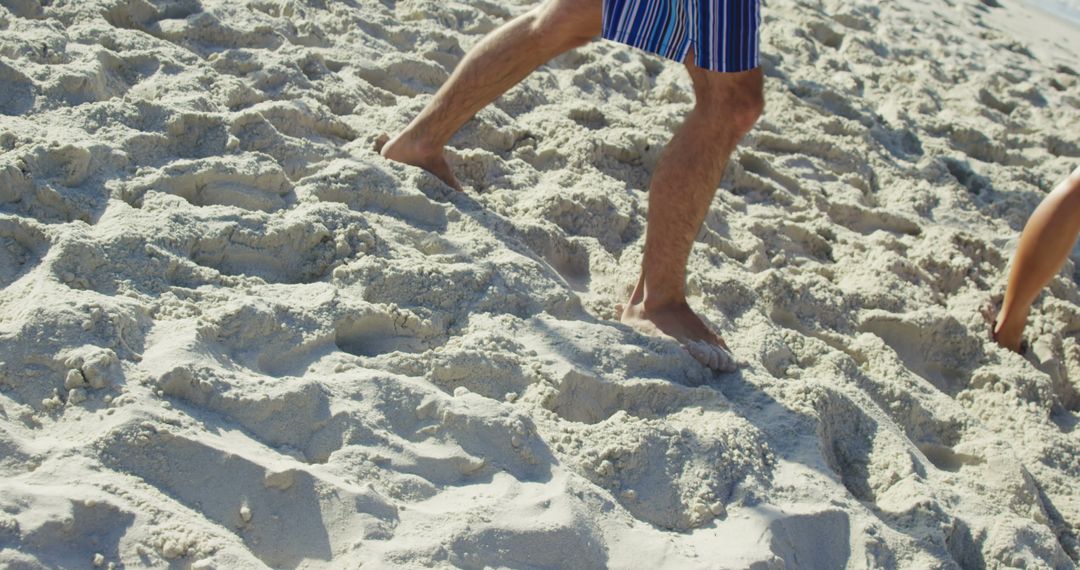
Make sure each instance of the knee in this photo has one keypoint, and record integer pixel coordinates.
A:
(736, 108)
(748, 111)
(1069, 193)
(1061, 207)
(1072, 182)
(569, 23)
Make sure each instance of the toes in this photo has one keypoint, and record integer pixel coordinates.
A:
(725, 360)
(381, 142)
(695, 350)
(712, 356)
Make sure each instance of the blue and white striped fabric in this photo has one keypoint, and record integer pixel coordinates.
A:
(723, 33)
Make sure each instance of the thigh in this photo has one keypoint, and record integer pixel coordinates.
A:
(732, 93)
(576, 17)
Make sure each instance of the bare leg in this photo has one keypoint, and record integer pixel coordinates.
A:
(1047, 238)
(497, 63)
(683, 185)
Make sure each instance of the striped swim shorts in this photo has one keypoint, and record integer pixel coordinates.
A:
(722, 33)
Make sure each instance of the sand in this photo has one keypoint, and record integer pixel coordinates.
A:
(233, 336)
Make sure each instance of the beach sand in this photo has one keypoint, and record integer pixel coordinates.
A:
(233, 336)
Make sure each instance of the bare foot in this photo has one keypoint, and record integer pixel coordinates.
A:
(401, 150)
(1007, 333)
(681, 323)
(1009, 336)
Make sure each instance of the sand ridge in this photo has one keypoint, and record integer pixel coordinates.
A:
(235, 337)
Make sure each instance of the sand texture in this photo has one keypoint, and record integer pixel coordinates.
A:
(233, 336)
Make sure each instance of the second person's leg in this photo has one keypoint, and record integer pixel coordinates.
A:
(1047, 238)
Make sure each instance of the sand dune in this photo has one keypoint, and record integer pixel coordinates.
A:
(233, 336)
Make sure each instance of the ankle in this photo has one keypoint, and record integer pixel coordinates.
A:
(664, 305)
(408, 144)
(1009, 332)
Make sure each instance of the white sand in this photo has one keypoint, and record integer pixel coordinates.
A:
(232, 336)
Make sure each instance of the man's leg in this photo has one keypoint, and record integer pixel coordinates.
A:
(686, 178)
(502, 59)
(1047, 238)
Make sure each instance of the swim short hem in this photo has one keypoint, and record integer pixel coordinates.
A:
(679, 55)
(724, 34)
